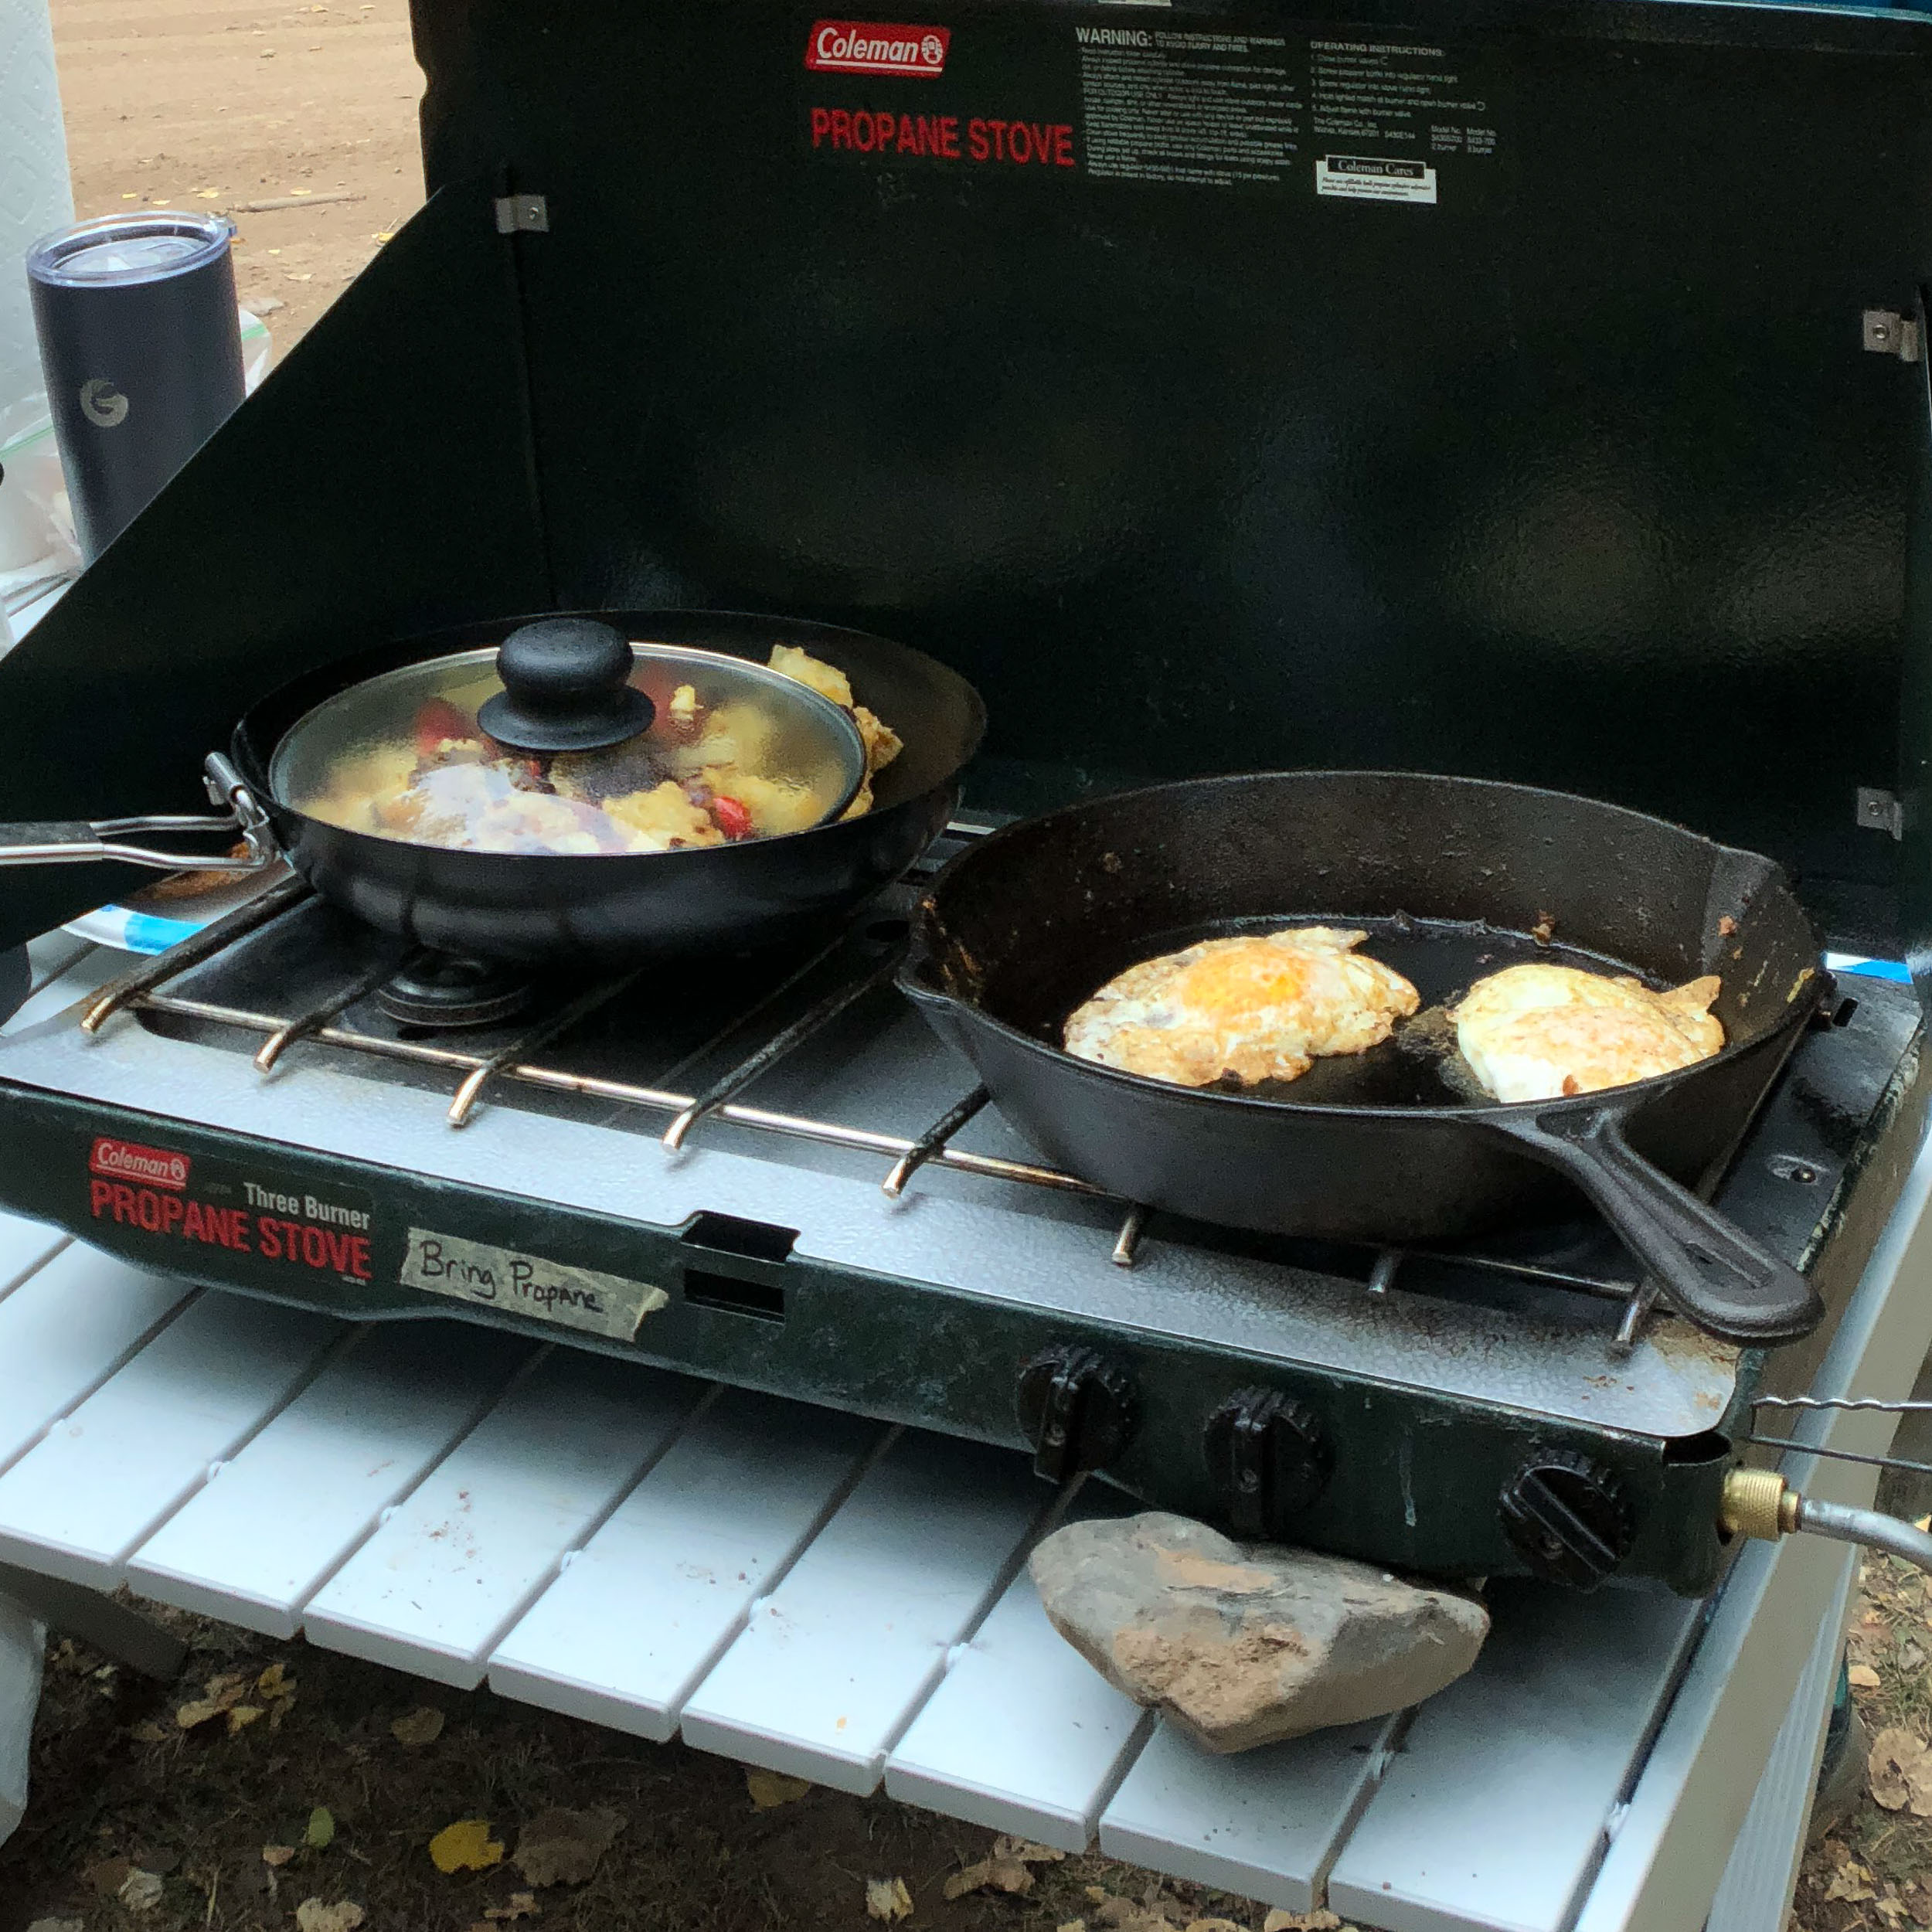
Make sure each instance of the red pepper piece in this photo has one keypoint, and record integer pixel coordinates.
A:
(438, 719)
(734, 819)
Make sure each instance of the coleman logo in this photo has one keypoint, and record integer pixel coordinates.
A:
(129, 1161)
(864, 46)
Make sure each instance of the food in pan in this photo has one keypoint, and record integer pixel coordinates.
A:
(1538, 1032)
(1261, 1007)
(706, 773)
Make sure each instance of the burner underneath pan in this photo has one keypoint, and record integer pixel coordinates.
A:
(440, 989)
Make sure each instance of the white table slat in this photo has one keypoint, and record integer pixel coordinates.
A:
(24, 1245)
(836, 1660)
(1022, 1735)
(65, 1329)
(1264, 1823)
(436, 1586)
(253, 1547)
(1528, 1734)
(23, 1643)
(644, 1610)
(98, 1483)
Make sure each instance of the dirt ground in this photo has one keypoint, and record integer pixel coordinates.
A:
(210, 103)
(218, 104)
(224, 1819)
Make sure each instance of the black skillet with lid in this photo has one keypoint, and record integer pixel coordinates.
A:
(599, 787)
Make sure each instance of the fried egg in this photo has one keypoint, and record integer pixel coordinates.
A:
(1537, 1032)
(1263, 1007)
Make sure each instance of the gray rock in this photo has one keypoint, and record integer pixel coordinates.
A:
(1244, 1644)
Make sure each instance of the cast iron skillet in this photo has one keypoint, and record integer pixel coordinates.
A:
(1452, 875)
(733, 898)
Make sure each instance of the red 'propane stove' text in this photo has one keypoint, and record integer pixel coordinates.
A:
(328, 1250)
(861, 131)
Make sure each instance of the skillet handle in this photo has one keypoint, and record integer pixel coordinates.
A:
(76, 842)
(1708, 1270)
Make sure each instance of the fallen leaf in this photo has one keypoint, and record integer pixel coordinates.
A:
(1896, 1756)
(276, 1856)
(241, 1716)
(1005, 1875)
(321, 1829)
(275, 1685)
(1066, 1925)
(312, 1915)
(57, 1925)
(139, 1891)
(1212, 1925)
(146, 1732)
(1862, 1676)
(422, 1725)
(768, 1788)
(1850, 1883)
(522, 1905)
(1280, 1919)
(109, 1876)
(562, 1848)
(1026, 1851)
(465, 1846)
(888, 1900)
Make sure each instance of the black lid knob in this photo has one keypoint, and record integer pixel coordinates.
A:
(566, 688)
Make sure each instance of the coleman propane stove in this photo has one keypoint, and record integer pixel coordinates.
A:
(1355, 393)
(778, 1177)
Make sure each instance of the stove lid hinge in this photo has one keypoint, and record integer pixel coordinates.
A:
(1886, 332)
(522, 214)
(1881, 810)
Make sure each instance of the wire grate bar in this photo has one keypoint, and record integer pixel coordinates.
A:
(932, 1140)
(132, 988)
(559, 1023)
(786, 1041)
(312, 1022)
(554, 1079)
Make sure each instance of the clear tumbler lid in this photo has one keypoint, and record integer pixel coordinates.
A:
(115, 250)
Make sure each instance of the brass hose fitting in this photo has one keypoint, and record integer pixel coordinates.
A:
(1760, 1503)
(1757, 1502)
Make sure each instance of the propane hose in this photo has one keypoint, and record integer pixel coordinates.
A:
(1760, 1503)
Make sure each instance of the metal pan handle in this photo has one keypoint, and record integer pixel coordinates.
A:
(1706, 1269)
(85, 841)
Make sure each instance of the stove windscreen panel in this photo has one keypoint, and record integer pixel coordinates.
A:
(1479, 388)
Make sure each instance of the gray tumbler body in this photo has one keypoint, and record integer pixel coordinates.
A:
(140, 345)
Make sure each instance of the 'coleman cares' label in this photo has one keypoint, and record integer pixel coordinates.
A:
(181, 1200)
(528, 1284)
(1218, 106)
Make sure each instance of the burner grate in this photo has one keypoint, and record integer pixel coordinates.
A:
(473, 1070)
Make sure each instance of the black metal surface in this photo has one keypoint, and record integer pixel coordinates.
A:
(721, 899)
(16, 979)
(1568, 1518)
(1587, 483)
(1451, 876)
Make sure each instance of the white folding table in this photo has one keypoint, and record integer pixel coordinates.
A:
(849, 1602)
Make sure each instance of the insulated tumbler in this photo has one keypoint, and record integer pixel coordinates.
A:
(141, 347)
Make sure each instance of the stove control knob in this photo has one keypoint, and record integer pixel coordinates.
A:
(1270, 1457)
(1078, 1410)
(1567, 1517)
